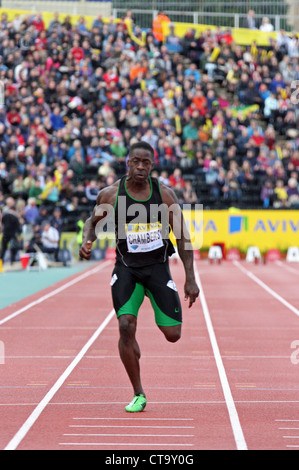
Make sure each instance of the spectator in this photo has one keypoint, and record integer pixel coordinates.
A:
(176, 177)
(56, 220)
(212, 172)
(35, 241)
(271, 105)
(218, 187)
(56, 119)
(50, 239)
(234, 192)
(281, 195)
(267, 194)
(190, 131)
(92, 192)
(266, 25)
(292, 192)
(31, 211)
(250, 21)
(189, 193)
(11, 229)
(157, 26)
(173, 42)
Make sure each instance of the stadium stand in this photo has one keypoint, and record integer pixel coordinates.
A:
(222, 115)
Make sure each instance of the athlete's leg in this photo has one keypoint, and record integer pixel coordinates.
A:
(129, 350)
(127, 297)
(165, 301)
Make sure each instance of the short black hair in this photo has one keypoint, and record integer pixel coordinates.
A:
(141, 145)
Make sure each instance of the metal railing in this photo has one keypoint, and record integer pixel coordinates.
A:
(282, 14)
(144, 18)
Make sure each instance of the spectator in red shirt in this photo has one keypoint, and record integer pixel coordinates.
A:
(110, 76)
(41, 41)
(176, 177)
(13, 117)
(295, 159)
(227, 37)
(257, 138)
(77, 52)
(38, 23)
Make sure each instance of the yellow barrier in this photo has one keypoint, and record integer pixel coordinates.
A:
(242, 36)
(47, 16)
(242, 228)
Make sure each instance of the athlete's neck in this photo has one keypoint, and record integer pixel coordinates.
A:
(138, 189)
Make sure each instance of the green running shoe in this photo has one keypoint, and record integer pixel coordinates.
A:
(137, 404)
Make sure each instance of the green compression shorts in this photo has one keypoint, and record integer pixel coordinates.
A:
(130, 285)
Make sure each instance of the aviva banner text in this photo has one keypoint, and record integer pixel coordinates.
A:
(242, 228)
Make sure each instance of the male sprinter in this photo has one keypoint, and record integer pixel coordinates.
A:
(142, 251)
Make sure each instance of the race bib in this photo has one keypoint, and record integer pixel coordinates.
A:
(142, 238)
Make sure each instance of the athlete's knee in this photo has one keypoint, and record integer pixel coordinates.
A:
(173, 337)
(172, 334)
(127, 327)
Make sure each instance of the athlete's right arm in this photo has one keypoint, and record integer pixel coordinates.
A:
(106, 197)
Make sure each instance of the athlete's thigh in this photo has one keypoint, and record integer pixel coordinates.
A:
(164, 296)
(127, 292)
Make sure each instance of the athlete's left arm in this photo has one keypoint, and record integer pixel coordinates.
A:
(185, 251)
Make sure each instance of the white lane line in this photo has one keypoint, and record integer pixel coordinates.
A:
(232, 411)
(143, 419)
(286, 267)
(290, 429)
(25, 428)
(287, 420)
(134, 426)
(54, 292)
(267, 288)
(133, 435)
(116, 444)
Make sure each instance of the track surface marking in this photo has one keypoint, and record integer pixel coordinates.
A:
(229, 383)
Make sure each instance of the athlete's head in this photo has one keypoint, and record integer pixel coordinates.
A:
(141, 161)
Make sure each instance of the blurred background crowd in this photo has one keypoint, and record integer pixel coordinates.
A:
(222, 118)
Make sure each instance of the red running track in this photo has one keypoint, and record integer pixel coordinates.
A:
(231, 382)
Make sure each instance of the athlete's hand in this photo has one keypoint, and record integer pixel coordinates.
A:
(85, 250)
(191, 291)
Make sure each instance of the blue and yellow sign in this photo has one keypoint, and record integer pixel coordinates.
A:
(243, 228)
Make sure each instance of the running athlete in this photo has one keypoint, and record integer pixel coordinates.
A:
(142, 252)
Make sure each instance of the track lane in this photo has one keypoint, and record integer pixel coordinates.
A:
(254, 331)
(187, 409)
(40, 342)
(271, 280)
(181, 380)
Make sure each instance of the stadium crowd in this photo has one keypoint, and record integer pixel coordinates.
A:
(222, 118)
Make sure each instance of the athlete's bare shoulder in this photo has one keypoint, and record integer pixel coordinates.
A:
(108, 195)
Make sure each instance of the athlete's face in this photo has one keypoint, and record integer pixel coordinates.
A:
(140, 165)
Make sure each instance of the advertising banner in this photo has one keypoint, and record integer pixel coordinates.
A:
(243, 228)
